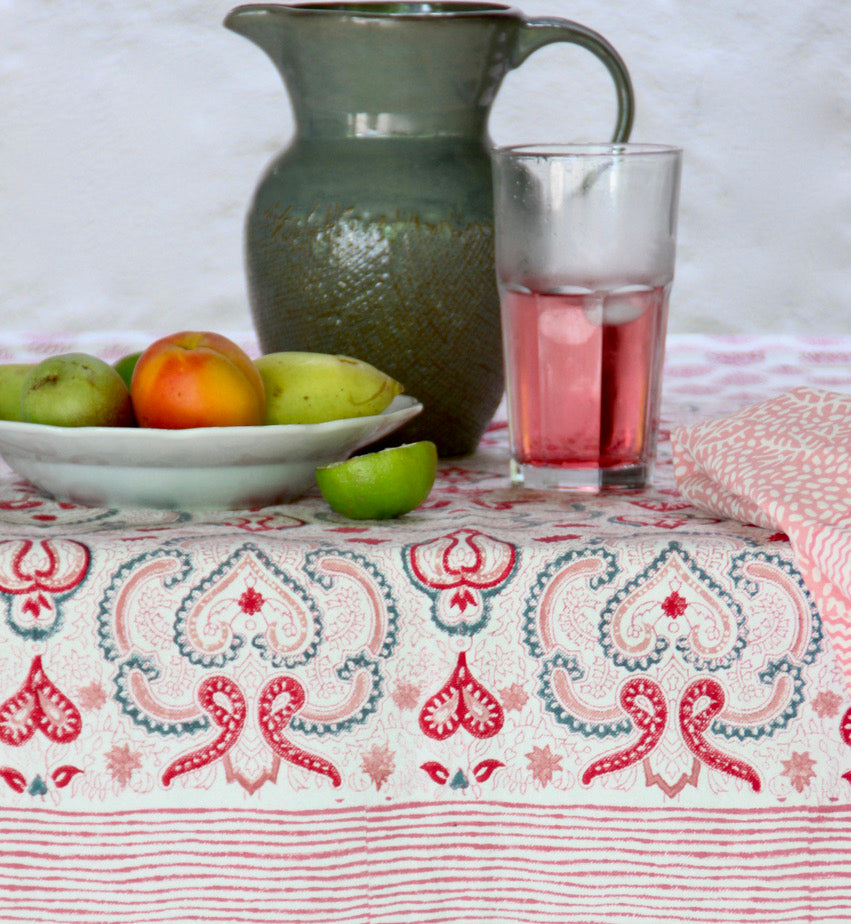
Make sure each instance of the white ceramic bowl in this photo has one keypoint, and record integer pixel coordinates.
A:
(209, 467)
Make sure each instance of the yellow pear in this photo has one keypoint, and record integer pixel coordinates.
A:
(303, 387)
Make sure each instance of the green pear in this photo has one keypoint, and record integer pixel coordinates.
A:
(316, 387)
(12, 377)
(76, 390)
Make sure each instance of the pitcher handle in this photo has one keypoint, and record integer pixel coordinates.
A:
(535, 33)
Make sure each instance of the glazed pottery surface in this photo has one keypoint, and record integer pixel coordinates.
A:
(371, 234)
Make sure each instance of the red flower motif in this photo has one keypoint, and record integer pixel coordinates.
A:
(483, 770)
(436, 771)
(14, 779)
(702, 700)
(251, 601)
(635, 695)
(38, 706)
(223, 701)
(461, 570)
(462, 599)
(462, 702)
(63, 775)
(674, 605)
(464, 559)
(280, 699)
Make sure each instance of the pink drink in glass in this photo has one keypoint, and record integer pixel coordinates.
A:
(583, 369)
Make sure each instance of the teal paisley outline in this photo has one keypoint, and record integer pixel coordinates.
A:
(529, 622)
(133, 661)
(361, 661)
(785, 665)
(681, 643)
(744, 732)
(148, 668)
(569, 664)
(559, 660)
(106, 607)
(326, 582)
(238, 641)
(752, 589)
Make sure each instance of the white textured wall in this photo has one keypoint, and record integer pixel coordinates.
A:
(132, 133)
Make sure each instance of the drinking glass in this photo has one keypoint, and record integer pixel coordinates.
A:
(585, 245)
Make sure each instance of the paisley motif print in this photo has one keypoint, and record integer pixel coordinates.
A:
(260, 620)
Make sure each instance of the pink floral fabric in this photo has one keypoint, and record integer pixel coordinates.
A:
(785, 464)
(507, 706)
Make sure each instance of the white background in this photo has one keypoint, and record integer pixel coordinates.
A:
(132, 134)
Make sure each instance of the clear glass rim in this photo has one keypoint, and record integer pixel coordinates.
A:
(586, 149)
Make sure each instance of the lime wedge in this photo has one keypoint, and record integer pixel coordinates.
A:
(380, 485)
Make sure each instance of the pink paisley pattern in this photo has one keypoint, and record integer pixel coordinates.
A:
(224, 702)
(497, 644)
(845, 732)
(510, 704)
(39, 705)
(784, 464)
(462, 702)
(636, 696)
(695, 718)
(37, 575)
(275, 715)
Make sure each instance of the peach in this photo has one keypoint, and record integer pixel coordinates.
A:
(196, 379)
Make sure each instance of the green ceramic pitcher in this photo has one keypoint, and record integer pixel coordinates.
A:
(372, 233)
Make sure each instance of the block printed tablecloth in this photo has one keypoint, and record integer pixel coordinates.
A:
(508, 706)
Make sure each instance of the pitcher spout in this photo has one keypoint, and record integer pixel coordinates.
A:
(260, 23)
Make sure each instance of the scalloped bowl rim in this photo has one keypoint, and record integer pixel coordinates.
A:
(201, 467)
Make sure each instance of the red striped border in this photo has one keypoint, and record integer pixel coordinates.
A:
(429, 864)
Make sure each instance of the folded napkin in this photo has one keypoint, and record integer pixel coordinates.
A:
(784, 464)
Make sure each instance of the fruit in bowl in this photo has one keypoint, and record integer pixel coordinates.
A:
(125, 366)
(196, 379)
(12, 377)
(305, 388)
(75, 390)
(202, 381)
